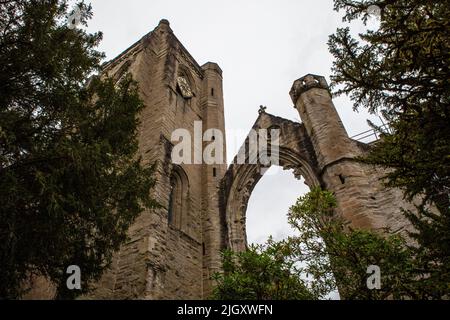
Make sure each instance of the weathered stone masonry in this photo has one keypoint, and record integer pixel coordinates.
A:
(173, 251)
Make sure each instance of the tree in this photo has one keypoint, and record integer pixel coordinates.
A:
(263, 272)
(71, 182)
(336, 256)
(326, 255)
(402, 71)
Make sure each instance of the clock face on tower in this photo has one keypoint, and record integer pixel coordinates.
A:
(184, 87)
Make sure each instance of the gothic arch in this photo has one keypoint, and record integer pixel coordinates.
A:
(178, 201)
(295, 152)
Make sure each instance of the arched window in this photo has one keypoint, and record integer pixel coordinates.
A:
(120, 75)
(178, 201)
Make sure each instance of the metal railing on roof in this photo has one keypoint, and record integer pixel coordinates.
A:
(370, 135)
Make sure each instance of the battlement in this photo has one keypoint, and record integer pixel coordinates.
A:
(305, 83)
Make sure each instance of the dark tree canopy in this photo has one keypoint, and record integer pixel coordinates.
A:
(402, 71)
(71, 182)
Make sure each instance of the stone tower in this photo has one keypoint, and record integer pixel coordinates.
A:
(172, 251)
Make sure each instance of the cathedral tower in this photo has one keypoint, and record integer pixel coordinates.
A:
(172, 251)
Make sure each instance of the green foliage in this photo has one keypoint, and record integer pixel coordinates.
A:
(432, 252)
(336, 256)
(402, 71)
(70, 179)
(261, 273)
(326, 252)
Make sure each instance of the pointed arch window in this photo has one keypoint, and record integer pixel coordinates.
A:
(178, 201)
(122, 73)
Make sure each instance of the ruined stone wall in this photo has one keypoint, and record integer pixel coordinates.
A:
(295, 152)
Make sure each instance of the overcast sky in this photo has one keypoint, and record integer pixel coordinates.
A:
(262, 46)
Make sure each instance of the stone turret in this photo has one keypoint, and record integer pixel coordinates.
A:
(212, 106)
(335, 151)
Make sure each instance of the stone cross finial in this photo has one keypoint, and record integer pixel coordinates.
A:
(262, 109)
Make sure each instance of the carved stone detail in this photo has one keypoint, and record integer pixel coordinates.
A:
(305, 83)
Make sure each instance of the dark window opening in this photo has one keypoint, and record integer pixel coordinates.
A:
(178, 198)
(213, 138)
(214, 172)
(212, 92)
(342, 178)
(204, 248)
(170, 211)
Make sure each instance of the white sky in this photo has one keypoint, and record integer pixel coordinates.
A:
(262, 46)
